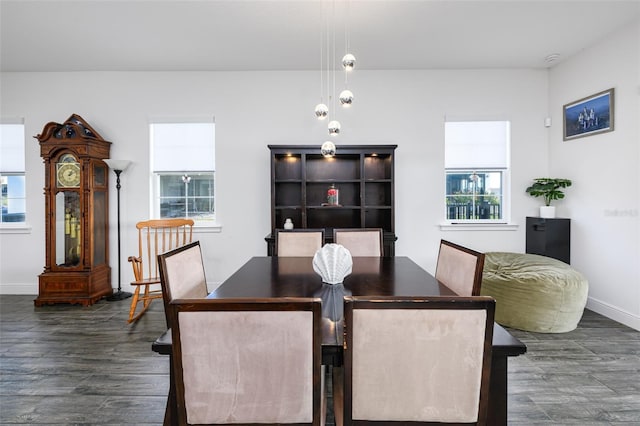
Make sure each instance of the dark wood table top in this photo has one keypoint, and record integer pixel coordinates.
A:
(371, 276)
(294, 276)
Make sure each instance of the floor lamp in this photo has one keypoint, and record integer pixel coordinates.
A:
(118, 166)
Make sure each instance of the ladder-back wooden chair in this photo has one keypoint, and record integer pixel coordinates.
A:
(155, 237)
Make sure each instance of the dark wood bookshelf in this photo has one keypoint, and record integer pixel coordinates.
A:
(363, 174)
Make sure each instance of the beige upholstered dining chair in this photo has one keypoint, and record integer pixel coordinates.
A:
(155, 237)
(360, 241)
(248, 361)
(182, 275)
(460, 268)
(298, 242)
(422, 360)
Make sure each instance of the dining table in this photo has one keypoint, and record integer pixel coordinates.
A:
(272, 276)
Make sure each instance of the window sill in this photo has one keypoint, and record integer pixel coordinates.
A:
(469, 226)
(207, 228)
(15, 228)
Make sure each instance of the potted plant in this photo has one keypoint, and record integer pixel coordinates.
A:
(549, 189)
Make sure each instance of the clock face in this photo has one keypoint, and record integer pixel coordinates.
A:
(68, 175)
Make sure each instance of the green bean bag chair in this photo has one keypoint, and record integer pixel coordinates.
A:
(534, 293)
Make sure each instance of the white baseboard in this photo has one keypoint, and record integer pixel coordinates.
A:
(19, 289)
(613, 312)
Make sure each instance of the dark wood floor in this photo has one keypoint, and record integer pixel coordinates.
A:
(71, 365)
(589, 376)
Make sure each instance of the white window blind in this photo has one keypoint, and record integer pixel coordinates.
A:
(11, 148)
(476, 144)
(179, 147)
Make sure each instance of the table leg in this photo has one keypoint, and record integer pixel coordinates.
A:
(498, 391)
(337, 380)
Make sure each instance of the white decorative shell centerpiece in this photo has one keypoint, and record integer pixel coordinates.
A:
(332, 262)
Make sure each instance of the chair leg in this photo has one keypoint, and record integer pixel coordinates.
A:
(134, 303)
(323, 407)
(145, 306)
(146, 299)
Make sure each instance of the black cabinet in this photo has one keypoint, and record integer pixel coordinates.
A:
(549, 237)
(362, 175)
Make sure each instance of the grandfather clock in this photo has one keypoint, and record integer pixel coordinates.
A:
(76, 214)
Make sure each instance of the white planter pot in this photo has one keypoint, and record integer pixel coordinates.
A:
(547, 212)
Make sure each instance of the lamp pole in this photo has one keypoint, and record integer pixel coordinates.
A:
(118, 167)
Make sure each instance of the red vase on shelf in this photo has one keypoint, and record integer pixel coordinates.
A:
(333, 196)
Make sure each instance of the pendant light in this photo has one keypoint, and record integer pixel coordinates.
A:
(322, 110)
(328, 149)
(328, 68)
(346, 98)
(348, 61)
(334, 127)
(334, 124)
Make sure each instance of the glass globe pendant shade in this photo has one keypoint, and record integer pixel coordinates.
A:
(328, 149)
(321, 111)
(334, 127)
(348, 61)
(346, 98)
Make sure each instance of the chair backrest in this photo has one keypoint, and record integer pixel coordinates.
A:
(460, 268)
(247, 360)
(298, 242)
(417, 359)
(155, 237)
(360, 241)
(182, 274)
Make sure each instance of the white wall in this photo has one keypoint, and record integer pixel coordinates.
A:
(253, 109)
(604, 199)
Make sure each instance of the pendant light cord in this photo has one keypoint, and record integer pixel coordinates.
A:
(333, 54)
(322, 36)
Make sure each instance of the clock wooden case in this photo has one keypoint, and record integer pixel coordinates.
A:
(76, 214)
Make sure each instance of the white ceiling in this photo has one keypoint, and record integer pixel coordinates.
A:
(170, 35)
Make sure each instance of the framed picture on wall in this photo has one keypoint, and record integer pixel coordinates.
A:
(588, 116)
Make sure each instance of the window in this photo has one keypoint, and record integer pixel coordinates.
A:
(183, 165)
(477, 171)
(12, 180)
